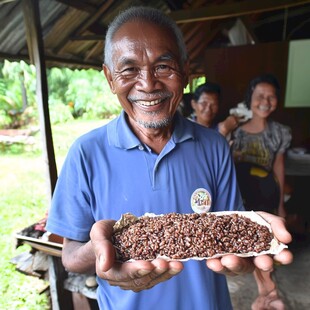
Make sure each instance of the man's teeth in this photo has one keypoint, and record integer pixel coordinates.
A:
(148, 103)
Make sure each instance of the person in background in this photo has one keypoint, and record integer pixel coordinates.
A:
(258, 148)
(139, 163)
(205, 104)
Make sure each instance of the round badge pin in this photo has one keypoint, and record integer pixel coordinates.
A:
(201, 200)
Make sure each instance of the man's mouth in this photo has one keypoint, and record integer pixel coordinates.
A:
(148, 103)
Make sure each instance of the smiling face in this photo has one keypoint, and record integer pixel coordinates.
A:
(264, 100)
(147, 76)
(206, 108)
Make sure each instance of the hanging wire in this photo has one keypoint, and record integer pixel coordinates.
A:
(284, 24)
(297, 28)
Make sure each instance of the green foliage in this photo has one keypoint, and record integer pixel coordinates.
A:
(81, 93)
(60, 113)
(85, 92)
(23, 202)
(5, 120)
(16, 78)
(194, 84)
(58, 83)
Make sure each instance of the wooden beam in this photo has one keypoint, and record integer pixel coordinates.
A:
(12, 57)
(207, 32)
(279, 16)
(84, 26)
(31, 13)
(80, 5)
(92, 19)
(94, 37)
(58, 61)
(232, 10)
(5, 1)
(95, 48)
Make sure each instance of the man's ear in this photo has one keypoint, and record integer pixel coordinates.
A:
(109, 78)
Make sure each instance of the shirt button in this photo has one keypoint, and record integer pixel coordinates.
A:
(141, 148)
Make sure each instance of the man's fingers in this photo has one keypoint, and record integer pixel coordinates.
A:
(264, 262)
(278, 227)
(285, 257)
(100, 236)
(142, 275)
(102, 230)
(231, 265)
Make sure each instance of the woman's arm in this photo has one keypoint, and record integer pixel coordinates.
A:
(228, 125)
(279, 172)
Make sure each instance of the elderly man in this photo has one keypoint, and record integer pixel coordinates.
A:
(149, 159)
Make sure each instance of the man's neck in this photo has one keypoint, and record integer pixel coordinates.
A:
(155, 138)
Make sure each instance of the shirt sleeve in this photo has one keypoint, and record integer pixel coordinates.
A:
(286, 138)
(70, 215)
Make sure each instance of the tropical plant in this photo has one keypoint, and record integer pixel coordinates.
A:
(72, 94)
(17, 93)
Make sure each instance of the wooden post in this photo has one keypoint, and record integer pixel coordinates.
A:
(36, 52)
(61, 298)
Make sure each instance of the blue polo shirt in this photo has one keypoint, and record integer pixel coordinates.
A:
(108, 172)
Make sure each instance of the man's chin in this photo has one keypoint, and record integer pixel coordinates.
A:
(154, 124)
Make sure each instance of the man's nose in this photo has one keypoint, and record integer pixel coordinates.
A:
(147, 81)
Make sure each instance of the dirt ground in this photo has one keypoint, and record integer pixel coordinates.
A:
(292, 280)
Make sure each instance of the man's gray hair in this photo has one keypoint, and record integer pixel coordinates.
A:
(150, 15)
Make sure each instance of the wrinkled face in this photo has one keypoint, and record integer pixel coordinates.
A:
(206, 108)
(264, 100)
(147, 76)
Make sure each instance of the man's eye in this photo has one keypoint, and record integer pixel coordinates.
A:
(129, 72)
(163, 69)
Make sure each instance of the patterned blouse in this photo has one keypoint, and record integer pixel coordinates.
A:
(261, 148)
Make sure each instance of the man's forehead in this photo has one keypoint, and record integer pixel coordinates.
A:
(134, 40)
(138, 28)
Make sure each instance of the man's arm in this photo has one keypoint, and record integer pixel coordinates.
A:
(78, 257)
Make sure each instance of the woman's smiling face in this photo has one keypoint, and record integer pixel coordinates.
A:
(147, 75)
(264, 100)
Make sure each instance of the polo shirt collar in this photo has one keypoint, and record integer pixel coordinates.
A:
(120, 134)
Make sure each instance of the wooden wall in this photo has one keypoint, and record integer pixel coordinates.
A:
(234, 67)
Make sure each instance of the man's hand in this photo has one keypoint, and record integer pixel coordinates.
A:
(135, 276)
(233, 265)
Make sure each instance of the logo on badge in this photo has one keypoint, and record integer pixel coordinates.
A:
(201, 200)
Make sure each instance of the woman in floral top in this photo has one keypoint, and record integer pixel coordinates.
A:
(259, 148)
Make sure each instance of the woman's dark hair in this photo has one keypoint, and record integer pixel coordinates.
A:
(264, 78)
(207, 87)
